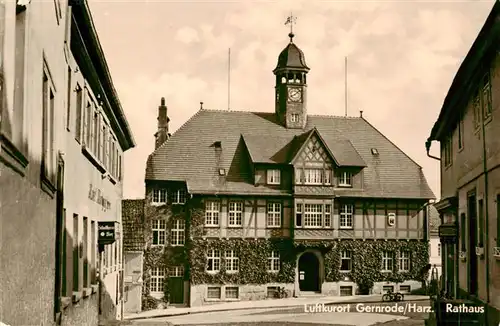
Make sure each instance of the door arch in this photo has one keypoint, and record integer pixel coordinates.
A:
(309, 272)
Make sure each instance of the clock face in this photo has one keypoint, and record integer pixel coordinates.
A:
(294, 94)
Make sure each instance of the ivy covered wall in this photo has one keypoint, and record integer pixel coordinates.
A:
(366, 259)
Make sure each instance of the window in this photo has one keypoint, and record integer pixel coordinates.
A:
(476, 104)
(213, 292)
(106, 149)
(95, 130)
(346, 291)
(87, 130)
(328, 215)
(157, 280)
(295, 117)
(273, 177)
(387, 261)
(346, 261)
(405, 288)
(313, 215)
(439, 249)
(273, 214)
(313, 176)
(48, 152)
(345, 179)
(404, 261)
(93, 246)
(273, 262)
(299, 176)
(178, 233)
(232, 292)
(212, 209)
(79, 113)
(235, 213)
(461, 132)
(346, 216)
(447, 148)
(68, 100)
(100, 150)
(76, 254)
(463, 232)
(232, 261)
(213, 261)
(159, 196)
(480, 222)
(486, 100)
(298, 214)
(388, 288)
(176, 271)
(179, 197)
(159, 232)
(498, 219)
(85, 253)
(327, 177)
(272, 291)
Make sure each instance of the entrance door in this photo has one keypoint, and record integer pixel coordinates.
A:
(309, 272)
(176, 285)
(471, 205)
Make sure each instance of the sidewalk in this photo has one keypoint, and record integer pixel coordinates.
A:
(270, 303)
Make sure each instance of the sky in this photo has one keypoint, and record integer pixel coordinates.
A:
(402, 58)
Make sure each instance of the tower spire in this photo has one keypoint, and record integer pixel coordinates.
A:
(291, 20)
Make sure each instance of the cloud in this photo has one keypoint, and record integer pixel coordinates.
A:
(402, 58)
(187, 35)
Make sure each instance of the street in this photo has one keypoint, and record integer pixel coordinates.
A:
(302, 316)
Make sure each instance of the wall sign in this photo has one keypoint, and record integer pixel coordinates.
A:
(391, 219)
(96, 195)
(106, 232)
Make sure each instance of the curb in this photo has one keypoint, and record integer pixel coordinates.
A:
(249, 308)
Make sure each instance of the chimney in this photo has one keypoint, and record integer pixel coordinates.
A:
(360, 113)
(162, 135)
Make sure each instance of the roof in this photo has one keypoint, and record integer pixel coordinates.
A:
(390, 174)
(434, 220)
(87, 49)
(461, 87)
(133, 224)
(292, 57)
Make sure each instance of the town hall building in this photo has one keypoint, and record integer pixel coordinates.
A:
(243, 205)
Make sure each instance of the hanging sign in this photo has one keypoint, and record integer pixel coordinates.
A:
(107, 232)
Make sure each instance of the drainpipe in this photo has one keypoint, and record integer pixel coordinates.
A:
(428, 148)
(486, 210)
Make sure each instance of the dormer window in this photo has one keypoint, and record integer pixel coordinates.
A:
(313, 176)
(295, 117)
(345, 179)
(179, 197)
(273, 177)
(159, 197)
(374, 151)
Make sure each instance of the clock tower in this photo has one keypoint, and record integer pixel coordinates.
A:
(291, 86)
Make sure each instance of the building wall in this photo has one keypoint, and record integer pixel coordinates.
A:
(133, 281)
(95, 197)
(28, 212)
(465, 174)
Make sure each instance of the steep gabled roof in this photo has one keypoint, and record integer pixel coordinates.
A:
(188, 155)
(434, 220)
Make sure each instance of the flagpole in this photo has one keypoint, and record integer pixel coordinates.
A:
(229, 81)
(345, 86)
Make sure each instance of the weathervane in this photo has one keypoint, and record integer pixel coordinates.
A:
(290, 20)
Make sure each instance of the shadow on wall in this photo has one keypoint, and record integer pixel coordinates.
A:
(108, 305)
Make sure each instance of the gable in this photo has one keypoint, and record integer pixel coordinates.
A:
(313, 152)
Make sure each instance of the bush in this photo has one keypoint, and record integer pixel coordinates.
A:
(149, 303)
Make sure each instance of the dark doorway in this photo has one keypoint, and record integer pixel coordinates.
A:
(309, 272)
(176, 290)
(471, 207)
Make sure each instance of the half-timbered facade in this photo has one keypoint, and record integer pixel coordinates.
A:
(239, 204)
